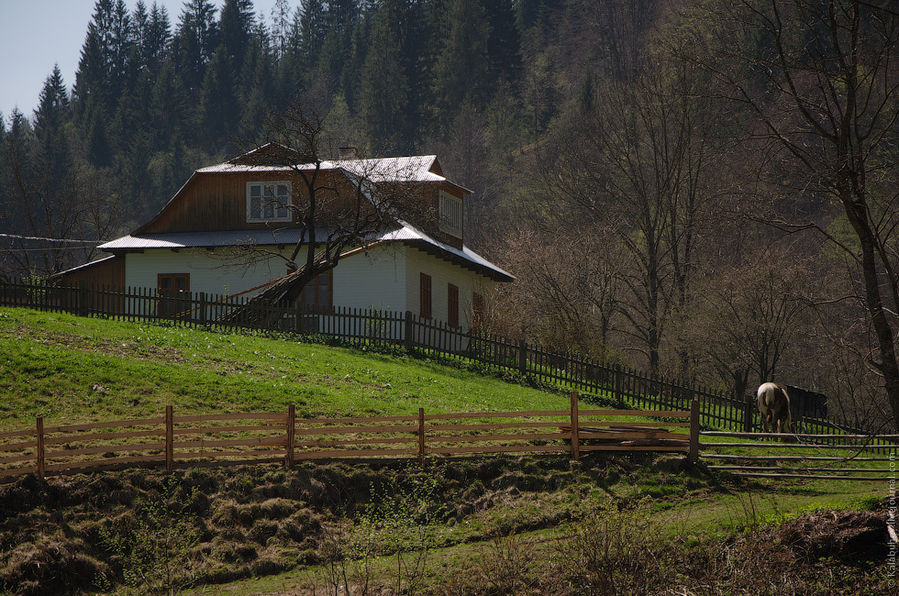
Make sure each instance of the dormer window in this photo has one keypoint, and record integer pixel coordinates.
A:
(268, 201)
(450, 214)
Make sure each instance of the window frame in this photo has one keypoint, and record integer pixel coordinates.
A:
(287, 206)
(450, 214)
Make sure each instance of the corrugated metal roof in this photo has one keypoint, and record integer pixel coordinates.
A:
(207, 239)
(393, 169)
(404, 233)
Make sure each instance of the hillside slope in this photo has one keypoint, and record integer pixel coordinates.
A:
(71, 368)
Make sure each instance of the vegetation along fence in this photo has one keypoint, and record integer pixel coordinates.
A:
(360, 326)
(240, 438)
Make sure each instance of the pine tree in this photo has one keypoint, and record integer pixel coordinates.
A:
(235, 30)
(195, 43)
(503, 43)
(53, 156)
(461, 67)
(219, 111)
(384, 98)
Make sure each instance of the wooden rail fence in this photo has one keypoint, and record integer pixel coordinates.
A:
(382, 327)
(844, 459)
(252, 437)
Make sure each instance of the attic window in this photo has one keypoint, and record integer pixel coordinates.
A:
(450, 214)
(268, 201)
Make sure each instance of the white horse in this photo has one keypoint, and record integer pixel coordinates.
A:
(774, 406)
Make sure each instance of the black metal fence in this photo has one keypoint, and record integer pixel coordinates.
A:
(361, 326)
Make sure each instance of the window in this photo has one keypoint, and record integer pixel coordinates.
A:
(450, 214)
(174, 293)
(268, 201)
(425, 296)
(452, 301)
(318, 293)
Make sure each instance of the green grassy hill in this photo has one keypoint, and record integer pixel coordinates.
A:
(79, 369)
(483, 521)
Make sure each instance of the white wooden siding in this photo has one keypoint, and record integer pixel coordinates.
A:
(442, 274)
(373, 279)
(220, 272)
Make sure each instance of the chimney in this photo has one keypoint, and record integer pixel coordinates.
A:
(347, 153)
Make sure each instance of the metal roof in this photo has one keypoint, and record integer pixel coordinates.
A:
(393, 169)
(405, 233)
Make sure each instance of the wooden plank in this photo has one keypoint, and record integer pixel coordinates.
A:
(813, 476)
(343, 430)
(133, 434)
(17, 433)
(222, 429)
(637, 413)
(495, 437)
(17, 458)
(683, 448)
(329, 453)
(634, 435)
(500, 449)
(721, 433)
(640, 425)
(794, 457)
(21, 471)
(403, 418)
(804, 469)
(279, 416)
(522, 414)
(493, 426)
(105, 449)
(777, 445)
(374, 441)
(231, 442)
(233, 453)
(110, 424)
(99, 463)
(18, 446)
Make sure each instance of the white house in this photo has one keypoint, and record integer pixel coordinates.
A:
(222, 232)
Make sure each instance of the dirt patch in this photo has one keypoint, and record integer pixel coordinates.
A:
(855, 537)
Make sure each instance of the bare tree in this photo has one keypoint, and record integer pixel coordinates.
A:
(640, 163)
(338, 206)
(820, 78)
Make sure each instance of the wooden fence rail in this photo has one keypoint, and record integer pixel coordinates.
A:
(245, 437)
(802, 465)
(360, 326)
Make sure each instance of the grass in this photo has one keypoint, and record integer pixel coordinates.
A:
(65, 367)
(71, 369)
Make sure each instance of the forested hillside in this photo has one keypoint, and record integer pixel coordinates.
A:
(701, 188)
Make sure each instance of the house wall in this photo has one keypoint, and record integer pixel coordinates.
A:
(442, 274)
(108, 273)
(372, 279)
(218, 272)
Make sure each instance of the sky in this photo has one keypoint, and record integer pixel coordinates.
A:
(36, 34)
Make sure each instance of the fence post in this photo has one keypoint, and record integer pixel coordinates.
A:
(291, 434)
(408, 331)
(575, 431)
(169, 439)
(523, 357)
(693, 456)
(748, 406)
(421, 436)
(40, 447)
(202, 318)
(82, 299)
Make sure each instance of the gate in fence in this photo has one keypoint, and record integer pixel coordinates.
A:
(802, 456)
